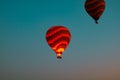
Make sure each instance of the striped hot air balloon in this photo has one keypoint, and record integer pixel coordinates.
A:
(95, 8)
(58, 38)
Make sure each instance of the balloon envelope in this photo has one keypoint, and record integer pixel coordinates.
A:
(58, 38)
(95, 8)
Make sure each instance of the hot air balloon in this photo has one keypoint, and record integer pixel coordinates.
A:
(58, 38)
(95, 8)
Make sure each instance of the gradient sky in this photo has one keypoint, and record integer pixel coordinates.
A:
(93, 53)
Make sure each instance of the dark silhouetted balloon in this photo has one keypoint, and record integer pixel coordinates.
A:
(95, 8)
(58, 38)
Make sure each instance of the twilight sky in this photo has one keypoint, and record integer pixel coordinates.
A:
(93, 52)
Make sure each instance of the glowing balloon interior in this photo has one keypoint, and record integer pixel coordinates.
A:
(58, 38)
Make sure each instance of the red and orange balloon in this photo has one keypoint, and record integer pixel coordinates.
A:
(95, 8)
(58, 38)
